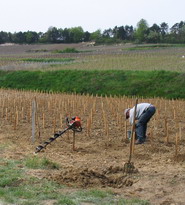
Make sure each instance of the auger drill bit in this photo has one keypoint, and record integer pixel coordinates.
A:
(74, 124)
(51, 139)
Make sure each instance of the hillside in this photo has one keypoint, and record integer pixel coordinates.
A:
(141, 83)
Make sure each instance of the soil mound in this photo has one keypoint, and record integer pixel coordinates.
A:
(112, 176)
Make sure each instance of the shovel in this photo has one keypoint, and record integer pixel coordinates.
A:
(129, 166)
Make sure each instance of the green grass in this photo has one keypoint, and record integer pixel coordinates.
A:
(139, 83)
(154, 46)
(17, 187)
(47, 60)
(37, 50)
(67, 50)
(71, 50)
(9, 174)
(101, 197)
(40, 163)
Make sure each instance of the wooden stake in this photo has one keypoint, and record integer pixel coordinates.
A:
(61, 121)
(6, 113)
(54, 124)
(43, 120)
(166, 131)
(176, 145)
(22, 110)
(89, 127)
(15, 121)
(174, 113)
(74, 141)
(180, 131)
(17, 117)
(132, 141)
(38, 125)
(33, 120)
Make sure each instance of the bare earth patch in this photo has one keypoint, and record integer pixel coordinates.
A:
(159, 178)
(98, 160)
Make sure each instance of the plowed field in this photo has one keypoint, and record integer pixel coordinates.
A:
(99, 156)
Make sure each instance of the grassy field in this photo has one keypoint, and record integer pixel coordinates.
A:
(115, 57)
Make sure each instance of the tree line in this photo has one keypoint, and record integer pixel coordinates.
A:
(141, 34)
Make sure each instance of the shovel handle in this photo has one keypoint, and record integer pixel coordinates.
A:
(133, 131)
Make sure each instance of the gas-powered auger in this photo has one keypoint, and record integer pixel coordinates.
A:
(73, 124)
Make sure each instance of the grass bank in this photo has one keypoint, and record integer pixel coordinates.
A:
(141, 83)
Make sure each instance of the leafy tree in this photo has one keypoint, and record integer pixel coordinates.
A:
(76, 34)
(86, 36)
(52, 35)
(10, 37)
(96, 35)
(164, 29)
(153, 34)
(181, 36)
(19, 37)
(177, 34)
(107, 33)
(181, 24)
(181, 32)
(175, 28)
(129, 32)
(119, 32)
(66, 35)
(142, 33)
(42, 38)
(141, 30)
(153, 37)
(60, 38)
(31, 37)
(155, 28)
(4, 37)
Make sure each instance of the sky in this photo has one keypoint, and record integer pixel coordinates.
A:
(91, 15)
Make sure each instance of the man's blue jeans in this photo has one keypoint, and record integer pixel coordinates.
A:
(141, 125)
